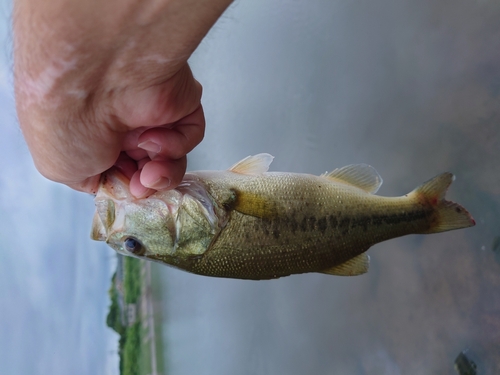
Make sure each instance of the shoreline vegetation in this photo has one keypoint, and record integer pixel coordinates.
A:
(132, 314)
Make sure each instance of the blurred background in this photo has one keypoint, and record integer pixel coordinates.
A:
(409, 87)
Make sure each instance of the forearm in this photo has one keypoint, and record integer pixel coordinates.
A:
(64, 37)
(73, 59)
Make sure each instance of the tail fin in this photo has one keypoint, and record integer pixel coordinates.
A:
(448, 215)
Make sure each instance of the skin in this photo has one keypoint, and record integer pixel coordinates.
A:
(107, 83)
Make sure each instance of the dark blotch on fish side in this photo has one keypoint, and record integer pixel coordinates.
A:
(303, 225)
(344, 225)
(322, 224)
(363, 223)
(398, 219)
(333, 222)
(275, 225)
(465, 366)
(266, 228)
(311, 223)
(293, 224)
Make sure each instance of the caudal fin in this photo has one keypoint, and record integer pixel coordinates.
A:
(448, 215)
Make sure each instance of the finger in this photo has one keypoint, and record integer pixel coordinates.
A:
(163, 103)
(137, 153)
(163, 174)
(141, 163)
(89, 185)
(137, 189)
(174, 141)
(126, 165)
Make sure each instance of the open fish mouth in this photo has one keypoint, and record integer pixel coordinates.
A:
(98, 231)
(114, 186)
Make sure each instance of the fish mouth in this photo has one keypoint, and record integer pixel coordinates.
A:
(98, 231)
(113, 195)
(114, 184)
(114, 187)
(103, 219)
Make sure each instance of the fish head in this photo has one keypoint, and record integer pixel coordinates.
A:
(134, 227)
(171, 226)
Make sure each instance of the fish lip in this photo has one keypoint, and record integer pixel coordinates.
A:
(114, 187)
(98, 231)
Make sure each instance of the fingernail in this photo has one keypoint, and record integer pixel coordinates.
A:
(160, 184)
(150, 146)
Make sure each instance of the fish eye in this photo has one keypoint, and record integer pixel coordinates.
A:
(133, 245)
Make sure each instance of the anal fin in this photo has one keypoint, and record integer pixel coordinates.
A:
(353, 267)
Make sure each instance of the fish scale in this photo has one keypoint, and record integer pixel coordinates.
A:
(248, 223)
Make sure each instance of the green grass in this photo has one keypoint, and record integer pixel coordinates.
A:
(132, 350)
(135, 355)
(113, 319)
(158, 291)
(145, 360)
(132, 280)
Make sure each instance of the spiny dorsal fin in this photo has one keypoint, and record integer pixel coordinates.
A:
(353, 267)
(253, 164)
(362, 176)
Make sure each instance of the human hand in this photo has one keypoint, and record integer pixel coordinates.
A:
(108, 84)
(155, 157)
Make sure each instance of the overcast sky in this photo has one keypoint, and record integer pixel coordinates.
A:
(53, 279)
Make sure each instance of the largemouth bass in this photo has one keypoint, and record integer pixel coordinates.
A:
(248, 223)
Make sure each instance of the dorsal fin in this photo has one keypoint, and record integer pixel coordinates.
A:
(362, 176)
(353, 267)
(253, 164)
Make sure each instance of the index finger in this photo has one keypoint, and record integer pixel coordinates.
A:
(174, 141)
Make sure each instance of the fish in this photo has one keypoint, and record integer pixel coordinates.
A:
(248, 223)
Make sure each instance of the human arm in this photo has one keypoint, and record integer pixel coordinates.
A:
(94, 79)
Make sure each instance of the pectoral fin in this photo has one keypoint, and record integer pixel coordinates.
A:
(353, 267)
(254, 205)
